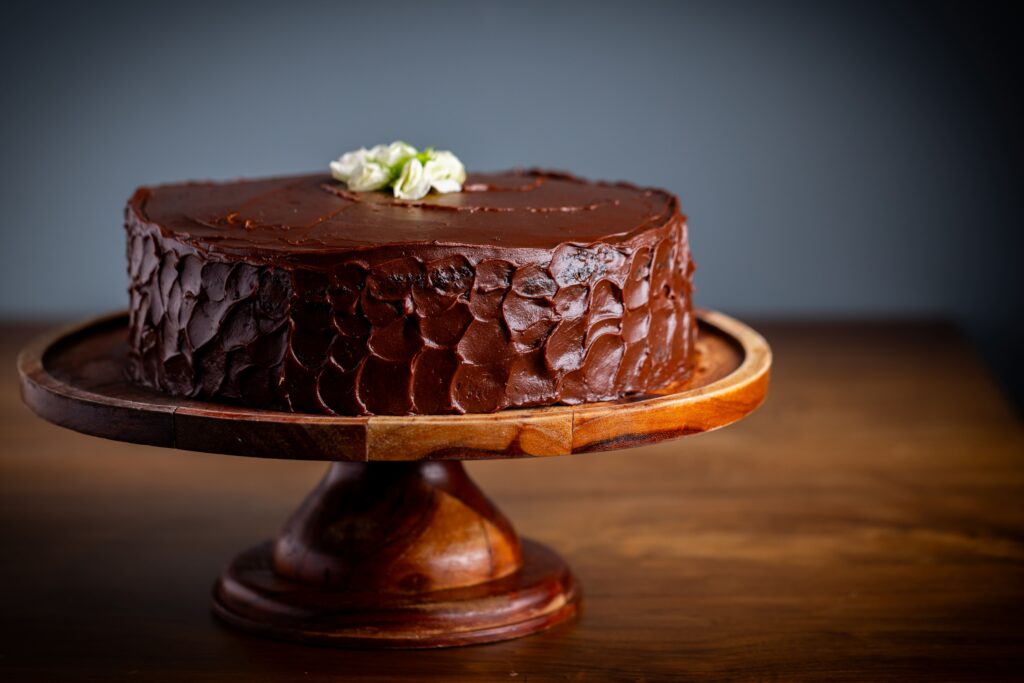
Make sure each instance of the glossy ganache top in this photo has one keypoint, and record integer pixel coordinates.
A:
(314, 214)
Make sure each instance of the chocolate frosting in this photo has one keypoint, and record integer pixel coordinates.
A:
(528, 288)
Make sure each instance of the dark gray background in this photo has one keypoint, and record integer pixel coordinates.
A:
(835, 160)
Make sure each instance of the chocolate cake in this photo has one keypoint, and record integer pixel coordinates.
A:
(528, 288)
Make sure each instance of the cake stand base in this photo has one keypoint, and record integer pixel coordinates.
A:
(396, 555)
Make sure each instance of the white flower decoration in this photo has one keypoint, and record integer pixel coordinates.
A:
(445, 171)
(343, 168)
(394, 154)
(368, 175)
(413, 183)
(410, 173)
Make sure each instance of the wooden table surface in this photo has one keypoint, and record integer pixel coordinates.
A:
(866, 524)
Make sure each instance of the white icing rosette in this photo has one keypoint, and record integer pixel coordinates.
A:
(411, 174)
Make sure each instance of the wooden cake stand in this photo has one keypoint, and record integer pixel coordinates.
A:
(396, 547)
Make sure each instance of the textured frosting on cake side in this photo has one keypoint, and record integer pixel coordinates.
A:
(527, 289)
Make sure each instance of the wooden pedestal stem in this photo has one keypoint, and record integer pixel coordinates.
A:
(397, 528)
(396, 555)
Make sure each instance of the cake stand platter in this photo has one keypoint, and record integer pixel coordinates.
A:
(396, 547)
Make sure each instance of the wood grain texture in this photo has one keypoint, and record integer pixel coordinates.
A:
(397, 555)
(76, 379)
(251, 596)
(864, 525)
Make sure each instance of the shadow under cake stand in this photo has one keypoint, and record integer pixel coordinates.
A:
(396, 547)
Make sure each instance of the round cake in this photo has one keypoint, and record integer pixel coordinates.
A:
(527, 288)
